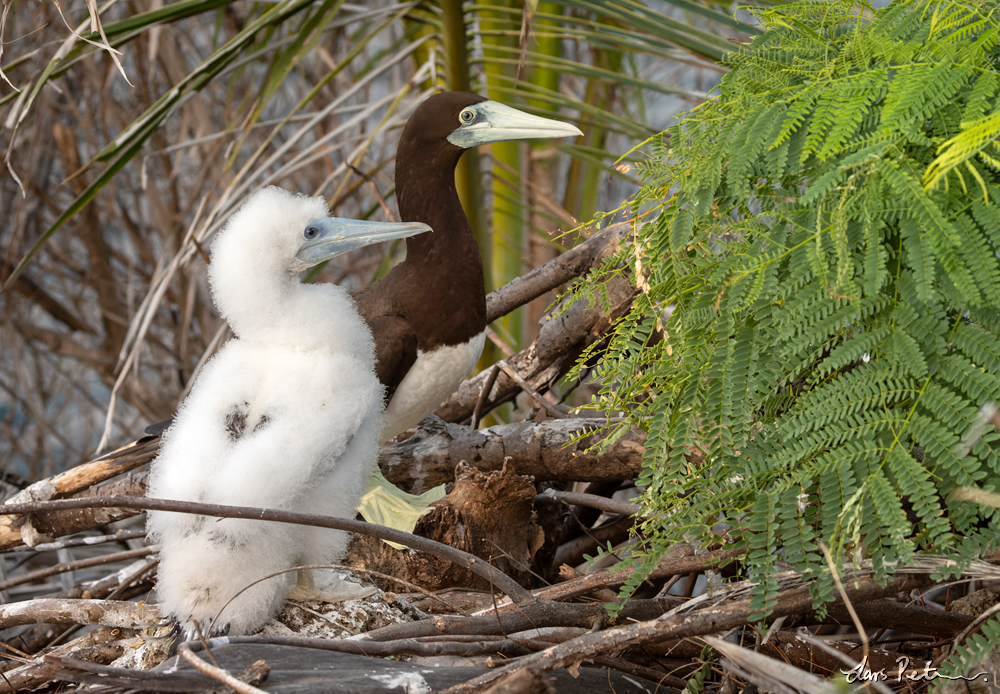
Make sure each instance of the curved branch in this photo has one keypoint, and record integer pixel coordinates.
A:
(474, 564)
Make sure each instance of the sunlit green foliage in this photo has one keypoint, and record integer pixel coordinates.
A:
(825, 233)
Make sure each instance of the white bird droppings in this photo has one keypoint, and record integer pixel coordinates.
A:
(411, 682)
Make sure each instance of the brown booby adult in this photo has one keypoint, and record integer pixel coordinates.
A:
(428, 314)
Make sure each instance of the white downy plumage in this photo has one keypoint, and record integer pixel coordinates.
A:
(286, 416)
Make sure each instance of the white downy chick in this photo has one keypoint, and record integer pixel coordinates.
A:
(285, 416)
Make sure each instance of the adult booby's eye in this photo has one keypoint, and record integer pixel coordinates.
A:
(311, 232)
(467, 116)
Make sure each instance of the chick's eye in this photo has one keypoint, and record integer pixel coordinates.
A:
(467, 116)
(311, 232)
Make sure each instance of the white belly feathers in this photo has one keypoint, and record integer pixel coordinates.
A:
(432, 378)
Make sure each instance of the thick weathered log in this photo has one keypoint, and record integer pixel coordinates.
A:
(545, 450)
(559, 270)
(488, 515)
(315, 671)
(544, 361)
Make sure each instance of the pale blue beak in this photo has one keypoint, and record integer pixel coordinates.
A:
(331, 236)
(491, 121)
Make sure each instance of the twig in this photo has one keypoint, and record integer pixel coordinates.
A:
(484, 395)
(480, 645)
(592, 500)
(135, 576)
(79, 564)
(216, 673)
(474, 564)
(87, 541)
(492, 336)
(406, 584)
(378, 194)
(862, 634)
(552, 410)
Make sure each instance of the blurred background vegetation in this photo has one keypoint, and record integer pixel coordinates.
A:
(126, 147)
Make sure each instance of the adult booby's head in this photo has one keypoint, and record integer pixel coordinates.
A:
(257, 257)
(437, 134)
(466, 120)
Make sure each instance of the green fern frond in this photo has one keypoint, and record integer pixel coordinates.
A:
(832, 256)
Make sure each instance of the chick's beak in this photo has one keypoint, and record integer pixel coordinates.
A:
(331, 236)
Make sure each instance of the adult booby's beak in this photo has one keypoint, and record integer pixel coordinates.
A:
(491, 121)
(331, 236)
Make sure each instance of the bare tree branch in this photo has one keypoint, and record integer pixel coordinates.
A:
(473, 564)
(50, 524)
(109, 613)
(546, 450)
(559, 270)
(79, 564)
(624, 508)
(544, 361)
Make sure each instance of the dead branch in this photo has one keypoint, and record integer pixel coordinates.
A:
(15, 531)
(572, 263)
(78, 564)
(547, 358)
(99, 646)
(109, 613)
(216, 673)
(502, 582)
(532, 616)
(545, 450)
(49, 524)
(890, 614)
(707, 620)
(680, 560)
(623, 508)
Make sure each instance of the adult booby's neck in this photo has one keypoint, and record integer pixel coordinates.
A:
(449, 255)
(426, 192)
